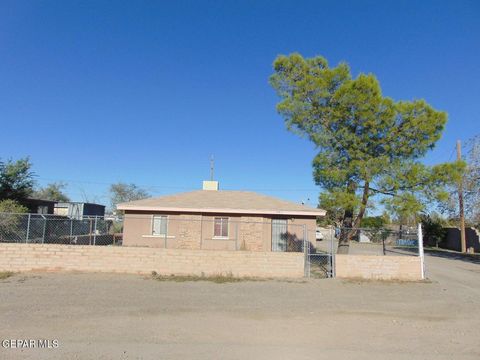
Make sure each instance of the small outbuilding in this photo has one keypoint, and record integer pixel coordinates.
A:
(79, 210)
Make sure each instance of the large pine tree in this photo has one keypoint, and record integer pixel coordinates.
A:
(368, 145)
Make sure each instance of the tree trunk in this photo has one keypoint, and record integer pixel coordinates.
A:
(344, 238)
(363, 207)
(349, 226)
(347, 222)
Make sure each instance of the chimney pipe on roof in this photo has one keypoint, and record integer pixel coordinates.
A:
(210, 185)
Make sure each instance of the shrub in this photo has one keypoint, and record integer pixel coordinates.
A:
(10, 219)
(433, 230)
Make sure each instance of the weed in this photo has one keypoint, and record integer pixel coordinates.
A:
(5, 274)
(218, 278)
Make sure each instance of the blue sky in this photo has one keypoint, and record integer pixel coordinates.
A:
(97, 92)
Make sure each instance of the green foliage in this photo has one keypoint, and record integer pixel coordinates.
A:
(53, 191)
(374, 228)
(368, 145)
(117, 227)
(334, 207)
(16, 179)
(10, 218)
(433, 227)
(121, 192)
(373, 222)
(12, 206)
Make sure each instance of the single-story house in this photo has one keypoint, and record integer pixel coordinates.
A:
(219, 220)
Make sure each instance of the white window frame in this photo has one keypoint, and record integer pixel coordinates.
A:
(166, 225)
(222, 226)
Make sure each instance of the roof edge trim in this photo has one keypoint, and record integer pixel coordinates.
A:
(315, 212)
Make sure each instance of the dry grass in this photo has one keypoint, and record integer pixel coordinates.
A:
(217, 279)
(360, 281)
(5, 274)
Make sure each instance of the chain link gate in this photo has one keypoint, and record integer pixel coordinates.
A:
(319, 260)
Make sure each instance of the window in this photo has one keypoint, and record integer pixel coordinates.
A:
(279, 235)
(221, 227)
(42, 209)
(160, 225)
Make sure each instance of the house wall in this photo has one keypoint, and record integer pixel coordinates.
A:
(120, 259)
(196, 231)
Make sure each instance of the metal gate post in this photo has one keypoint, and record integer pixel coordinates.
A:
(95, 232)
(44, 228)
(420, 251)
(306, 269)
(332, 253)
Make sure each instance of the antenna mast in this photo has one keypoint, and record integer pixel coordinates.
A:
(211, 168)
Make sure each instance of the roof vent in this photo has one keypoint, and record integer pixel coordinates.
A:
(210, 185)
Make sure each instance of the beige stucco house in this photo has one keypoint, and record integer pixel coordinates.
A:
(213, 219)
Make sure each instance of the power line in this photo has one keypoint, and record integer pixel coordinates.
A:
(175, 187)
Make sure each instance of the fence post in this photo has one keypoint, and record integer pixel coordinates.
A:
(95, 231)
(420, 250)
(306, 271)
(383, 246)
(332, 252)
(28, 228)
(71, 229)
(44, 229)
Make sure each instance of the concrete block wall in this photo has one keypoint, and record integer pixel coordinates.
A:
(374, 267)
(137, 260)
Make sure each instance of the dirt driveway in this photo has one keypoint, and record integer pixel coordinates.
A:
(98, 316)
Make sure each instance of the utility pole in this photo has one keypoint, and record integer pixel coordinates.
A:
(460, 202)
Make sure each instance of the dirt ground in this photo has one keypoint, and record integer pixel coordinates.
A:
(99, 316)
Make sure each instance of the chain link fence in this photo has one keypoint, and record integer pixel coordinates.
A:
(212, 233)
(380, 241)
(320, 258)
(177, 232)
(319, 245)
(54, 229)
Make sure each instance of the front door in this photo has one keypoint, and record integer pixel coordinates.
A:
(279, 235)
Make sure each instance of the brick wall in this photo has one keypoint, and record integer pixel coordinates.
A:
(189, 230)
(251, 234)
(378, 267)
(196, 231)
(38, 257)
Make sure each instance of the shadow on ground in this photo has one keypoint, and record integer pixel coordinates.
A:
(471, 258)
